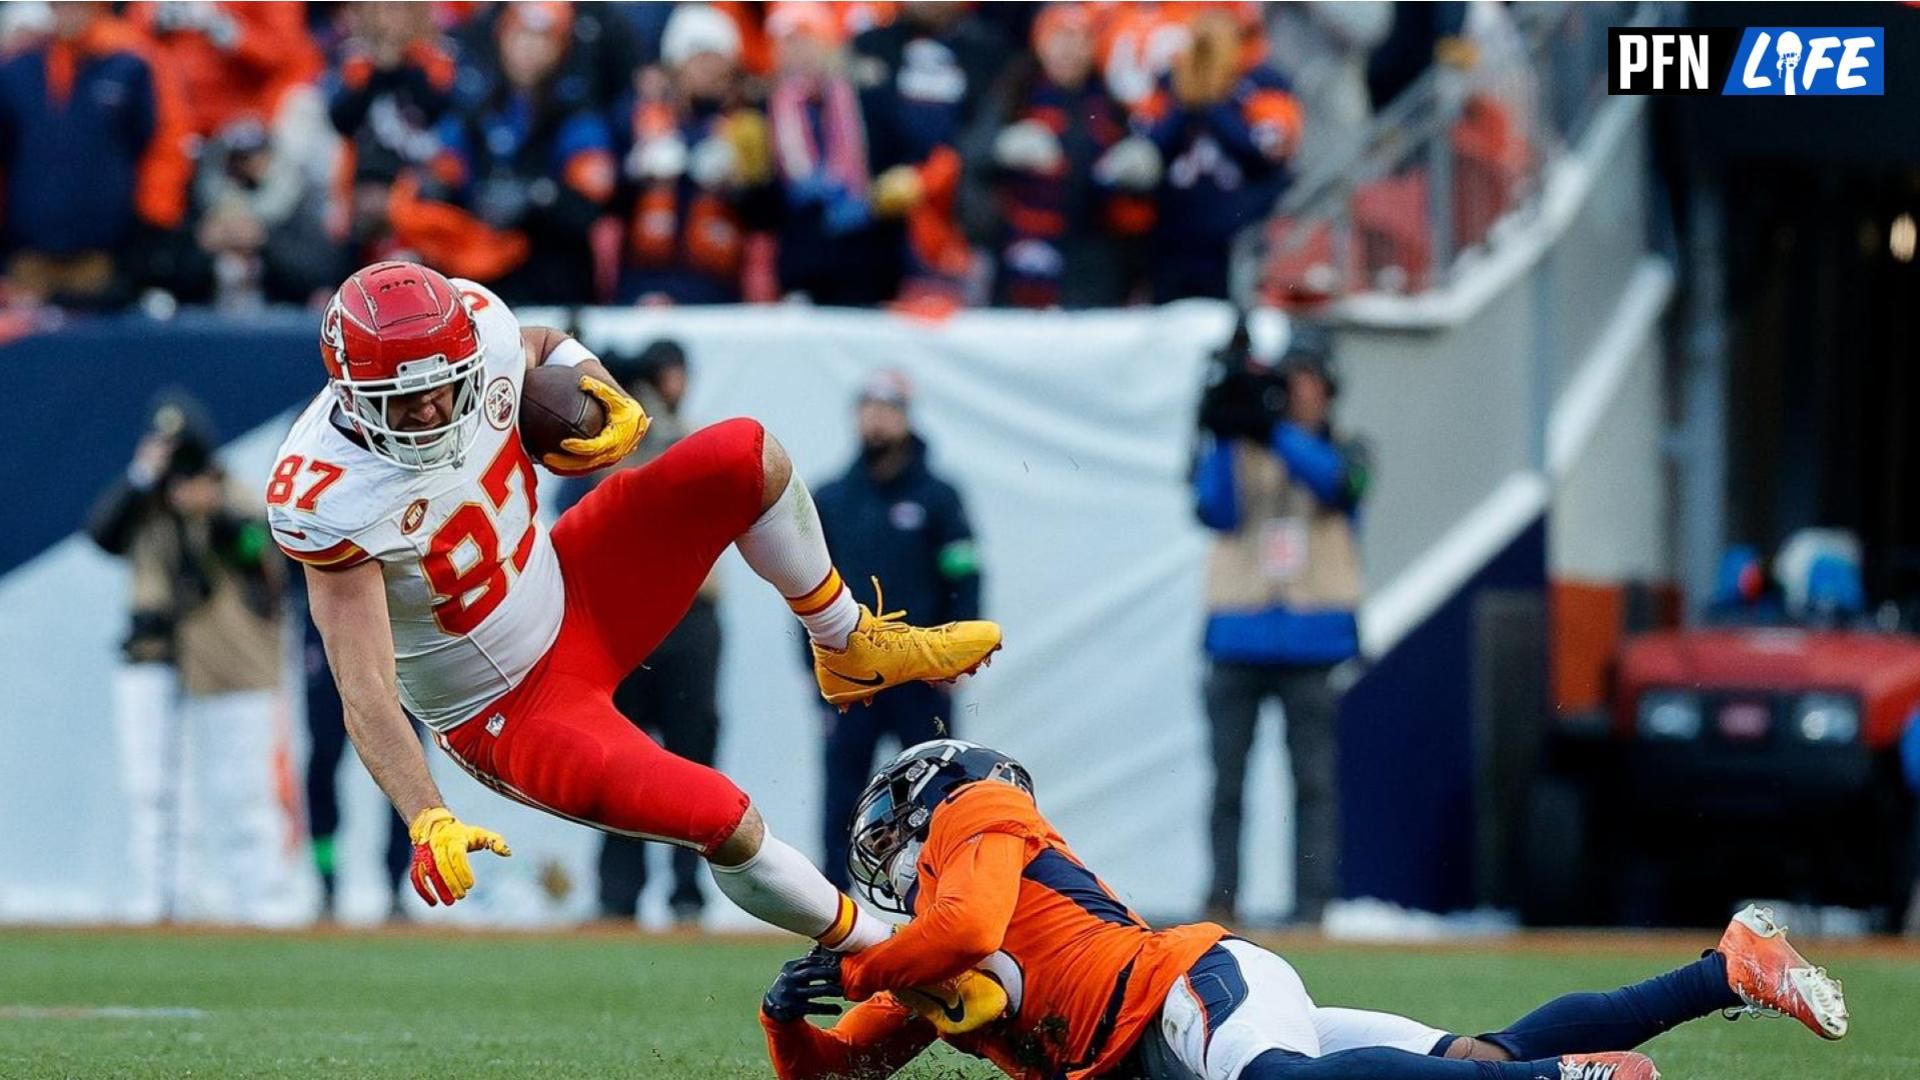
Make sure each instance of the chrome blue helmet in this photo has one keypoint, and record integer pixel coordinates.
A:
(891, 820)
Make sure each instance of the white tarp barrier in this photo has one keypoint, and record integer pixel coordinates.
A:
(1069, 437)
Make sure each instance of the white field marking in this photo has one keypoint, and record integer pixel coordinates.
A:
(100, 1012)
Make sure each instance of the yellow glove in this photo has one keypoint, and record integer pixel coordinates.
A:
(746, 129)
(961, 1004)
(626, 425)
(897, 191)
(441, 873)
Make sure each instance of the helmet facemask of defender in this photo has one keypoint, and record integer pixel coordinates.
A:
(371, 374)
(895, 813)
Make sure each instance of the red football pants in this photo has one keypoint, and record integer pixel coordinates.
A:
(633, 554)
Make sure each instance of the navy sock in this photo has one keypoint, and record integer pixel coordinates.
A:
(1621, 1019)
(1380, 1063)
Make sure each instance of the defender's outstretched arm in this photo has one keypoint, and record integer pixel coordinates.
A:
(966, 924)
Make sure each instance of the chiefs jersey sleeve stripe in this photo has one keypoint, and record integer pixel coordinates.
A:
(338, 556)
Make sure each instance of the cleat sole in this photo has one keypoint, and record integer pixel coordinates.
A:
(1815, 987)
(986, 660)
(845, 701)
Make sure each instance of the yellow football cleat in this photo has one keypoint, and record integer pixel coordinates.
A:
(967, 1001)
(885, 651)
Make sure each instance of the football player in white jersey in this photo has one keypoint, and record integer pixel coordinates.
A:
(405, 491)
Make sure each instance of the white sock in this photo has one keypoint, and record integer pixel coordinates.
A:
(788, 550)
(779, 886)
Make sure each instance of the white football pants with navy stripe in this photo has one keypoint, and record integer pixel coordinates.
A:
(1240, 1001)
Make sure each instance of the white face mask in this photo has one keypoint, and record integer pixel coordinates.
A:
(905, 870)
(365, 404)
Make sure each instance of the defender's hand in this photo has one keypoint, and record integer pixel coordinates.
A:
(626, 425)
(802, 986)
(441, 873)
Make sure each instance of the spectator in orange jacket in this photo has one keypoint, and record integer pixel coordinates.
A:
(233, 59)
(92, 149)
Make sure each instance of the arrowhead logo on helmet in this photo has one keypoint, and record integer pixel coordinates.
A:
(393, 336)
(333, 337)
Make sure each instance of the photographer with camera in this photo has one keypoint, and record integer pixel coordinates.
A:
(1283, 492)
(194, 701)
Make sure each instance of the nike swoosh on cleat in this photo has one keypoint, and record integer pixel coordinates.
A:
(875, 680)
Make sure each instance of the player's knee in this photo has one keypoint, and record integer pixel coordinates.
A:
(743, 843)
(742, 452)
(776, 471)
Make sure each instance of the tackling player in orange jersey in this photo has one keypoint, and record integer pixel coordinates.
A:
(406, 493)
(949, 833)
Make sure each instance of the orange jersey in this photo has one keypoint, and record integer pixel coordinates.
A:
(1000, 890)
(269, 54)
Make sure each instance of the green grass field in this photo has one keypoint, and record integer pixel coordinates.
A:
(600, 1004)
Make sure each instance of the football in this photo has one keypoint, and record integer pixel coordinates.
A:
(553, 408)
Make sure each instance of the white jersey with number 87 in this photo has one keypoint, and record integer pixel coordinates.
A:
(473, 588)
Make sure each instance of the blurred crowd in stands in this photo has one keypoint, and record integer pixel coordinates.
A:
(928, 155)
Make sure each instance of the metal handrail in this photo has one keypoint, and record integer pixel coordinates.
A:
(1414, 132)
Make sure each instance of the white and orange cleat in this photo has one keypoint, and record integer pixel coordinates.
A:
(1624, 1065)
(1775, 980)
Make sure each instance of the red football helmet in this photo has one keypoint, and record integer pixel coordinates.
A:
(398, 328)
